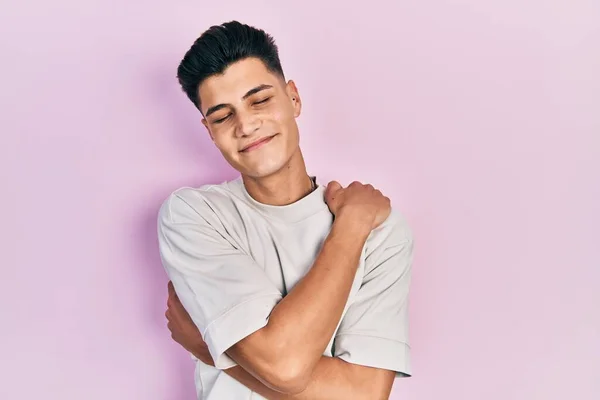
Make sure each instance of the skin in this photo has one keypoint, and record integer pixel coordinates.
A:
(284, 360)
(248, 103)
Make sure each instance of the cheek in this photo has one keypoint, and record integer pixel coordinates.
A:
(280, 121)
(225, 144)
(280, 113)
(229, 149)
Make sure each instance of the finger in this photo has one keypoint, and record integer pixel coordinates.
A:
(170, 287)
(175, 302)
(332, 187)
(168, 314)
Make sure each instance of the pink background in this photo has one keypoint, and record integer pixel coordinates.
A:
(480, 119)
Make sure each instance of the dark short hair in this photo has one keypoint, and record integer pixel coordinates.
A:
(219, 47)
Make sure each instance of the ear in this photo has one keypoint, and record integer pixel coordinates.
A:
(294, 96)
(205, 123)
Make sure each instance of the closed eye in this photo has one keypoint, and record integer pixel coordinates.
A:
(220, 120)
(262, 101)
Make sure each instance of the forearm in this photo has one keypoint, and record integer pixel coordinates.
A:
(306, 319)
(332, 379)
(302, 324)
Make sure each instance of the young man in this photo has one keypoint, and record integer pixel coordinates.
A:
(281, 288)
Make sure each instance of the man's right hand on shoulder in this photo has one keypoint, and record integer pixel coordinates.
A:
(360, 203)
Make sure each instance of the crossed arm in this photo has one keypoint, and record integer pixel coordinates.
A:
(281, 361)
(331, 379)
(282, 358)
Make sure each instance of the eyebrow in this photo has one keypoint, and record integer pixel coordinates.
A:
(249, 93)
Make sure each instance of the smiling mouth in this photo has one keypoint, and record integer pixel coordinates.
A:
(257, 144)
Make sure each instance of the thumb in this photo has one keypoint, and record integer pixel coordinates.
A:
(332, 188)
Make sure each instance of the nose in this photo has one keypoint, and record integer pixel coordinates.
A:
(248, 123)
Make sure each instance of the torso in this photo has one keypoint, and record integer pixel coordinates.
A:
(284, 241)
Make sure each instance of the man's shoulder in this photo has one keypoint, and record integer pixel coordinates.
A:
(395, 230)
(202, 203)
(391, 239)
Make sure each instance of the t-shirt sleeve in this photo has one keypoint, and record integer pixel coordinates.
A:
(227, 295)
(374, 330)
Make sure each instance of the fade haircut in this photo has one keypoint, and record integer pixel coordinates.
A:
(219, 47)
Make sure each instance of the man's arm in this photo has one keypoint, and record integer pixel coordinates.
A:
(279, 342)
(332, 379)
(284, 353)
(374, 331)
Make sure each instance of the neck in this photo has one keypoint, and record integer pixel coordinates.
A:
(286, 186)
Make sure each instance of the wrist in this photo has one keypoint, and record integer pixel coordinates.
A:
(353, 223)
(200, 355)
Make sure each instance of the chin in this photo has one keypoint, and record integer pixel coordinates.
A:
(263, 171)
(264, 168)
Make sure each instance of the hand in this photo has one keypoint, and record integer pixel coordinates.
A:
(183, 330)
(363, 202)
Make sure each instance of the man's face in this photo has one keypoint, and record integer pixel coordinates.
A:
(250, 114)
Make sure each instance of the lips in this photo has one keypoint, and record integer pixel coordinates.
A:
(256, 144)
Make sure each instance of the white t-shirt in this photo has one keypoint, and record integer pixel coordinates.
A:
(231, 260)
